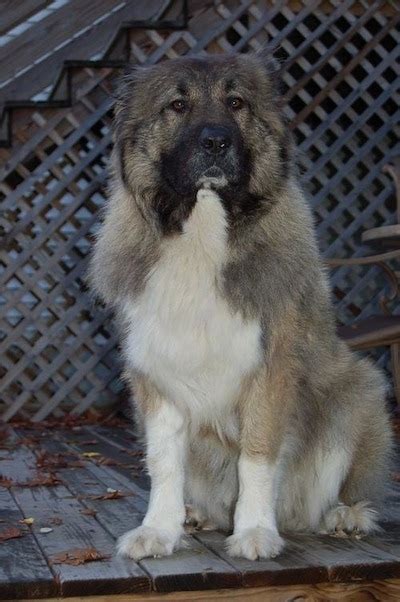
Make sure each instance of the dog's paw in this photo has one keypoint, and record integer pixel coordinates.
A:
(147, 541)
(343, 520)
(255, 543)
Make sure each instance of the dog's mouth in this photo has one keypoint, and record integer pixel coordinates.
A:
(213, 177)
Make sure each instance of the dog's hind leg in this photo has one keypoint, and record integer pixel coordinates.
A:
(364, 486)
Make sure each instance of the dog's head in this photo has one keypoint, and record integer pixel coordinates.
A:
(199, 122)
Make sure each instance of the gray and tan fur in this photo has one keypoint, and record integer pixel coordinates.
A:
(254, 412)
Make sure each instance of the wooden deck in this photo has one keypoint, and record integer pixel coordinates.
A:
(84, 486)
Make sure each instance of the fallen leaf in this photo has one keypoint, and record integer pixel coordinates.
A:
(10, 533)
(89, 442)
(54, 461)
(88, 512)
(136, 471)
(4, 433)
(108, 462)
(138, 452)
(6, 482)
(110, 495)
(27, 521)
(55, 520)
(29, 441)
(45, 530)
(43, 480)
(91, 454)
(78, 556)
(396, 476)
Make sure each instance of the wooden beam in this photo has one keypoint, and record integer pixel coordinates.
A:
(365, 591)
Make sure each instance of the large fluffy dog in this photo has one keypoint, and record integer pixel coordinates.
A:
(254, 412)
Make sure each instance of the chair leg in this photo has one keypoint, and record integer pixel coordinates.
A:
(395, 353)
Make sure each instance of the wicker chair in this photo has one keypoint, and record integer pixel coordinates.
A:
(383, 329)
(379, 330)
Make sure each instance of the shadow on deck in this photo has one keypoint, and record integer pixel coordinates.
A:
(84, 486)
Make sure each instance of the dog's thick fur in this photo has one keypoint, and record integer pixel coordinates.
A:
(253, 411)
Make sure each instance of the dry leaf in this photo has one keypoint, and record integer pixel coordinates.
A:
(4, 433)
(91, 454)
(108, 462)
(27, 521)
(10, 533)
(135, 453)
(54, 461)
(396, 476)
(43, 480)
(78, 556)
(114, 494)
(6, 482)
(88, 512)
(55, 520)
(29, 441)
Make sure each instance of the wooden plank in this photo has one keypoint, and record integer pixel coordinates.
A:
(389, 539)
(118, 453)
(101, 474)
(347, 559)
(192, 567)
(13, 13)
(292, 566)
(112, 575)
(17, 463)
(307, 558)
(314, 558)
(23, 567)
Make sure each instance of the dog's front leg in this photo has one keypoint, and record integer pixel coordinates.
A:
(162, 526)
(255, 532)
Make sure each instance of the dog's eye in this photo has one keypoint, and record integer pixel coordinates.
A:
(179, 106)
(235, 103)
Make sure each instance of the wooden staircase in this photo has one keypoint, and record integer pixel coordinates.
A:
(116, 26)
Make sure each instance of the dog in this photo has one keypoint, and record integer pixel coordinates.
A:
(254, 413)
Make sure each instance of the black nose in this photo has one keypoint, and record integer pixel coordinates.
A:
(215, 139)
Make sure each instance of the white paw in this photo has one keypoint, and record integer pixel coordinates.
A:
(255, 543)
(147, 541)
(347, 520)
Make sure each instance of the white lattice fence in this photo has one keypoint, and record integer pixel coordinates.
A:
(340, 67)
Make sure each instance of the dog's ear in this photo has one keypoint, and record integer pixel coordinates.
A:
(131, 75)
(124, 119)
(267, 56)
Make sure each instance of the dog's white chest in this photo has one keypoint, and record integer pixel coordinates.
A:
(181, 333)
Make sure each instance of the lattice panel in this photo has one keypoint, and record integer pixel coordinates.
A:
(58, 351)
